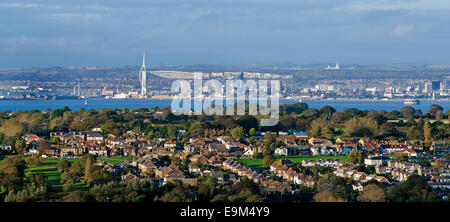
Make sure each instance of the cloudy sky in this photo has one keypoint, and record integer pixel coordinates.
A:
(181, 32)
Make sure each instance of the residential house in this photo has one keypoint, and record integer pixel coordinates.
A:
(281, 151)
(170, 145)
(376, 160)
(98, 150)
(130, 151)
(199, 159)
(29, 137)
(6, 149)
(72, 151)
(94, 136)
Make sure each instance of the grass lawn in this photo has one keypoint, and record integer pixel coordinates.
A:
(48, 166)
(115, 160)
(257, 162)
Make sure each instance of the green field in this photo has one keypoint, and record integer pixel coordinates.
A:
(115, 160)
(48, 166)
(257, 162)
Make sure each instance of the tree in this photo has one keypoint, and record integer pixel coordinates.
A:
(389, 129)
(76, 169)
(268, 149)
(220, 198)
(246, 190)
(35, 180)
(20, 146)
(247, 122)
(296, 108)
(88, 159)
(353, 112)
(439, 115)
(356, 157)
(67, 185)
(196, 128)
(377, 116)
(319, 128)
(372, 193)
(407, 112)
(433, 110)
(27, 194)
(94, 174)
(74, 174)
(34, 160)
(415, 189)
(268, 139)
(310, 113)
(428, 138)
(180, 193)
(268, 160)
(172, 131)
(287, 122)
(224, 122)
(63, 166)
(415, 133)
(44, 146)
(328, 110)
(55, 140)
(337, 186)
(57, 113)
(111, 127)
(252, 132)
(400, 157)
(361, 127)
(76, 196)
(204, 192)
(12, 172)
(327, 196)
(338, 117)
(137, 125)
(237, 132)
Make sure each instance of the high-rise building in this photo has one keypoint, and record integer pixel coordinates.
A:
(435, 85)
(143, 77)
(428, 87)
(446, 83)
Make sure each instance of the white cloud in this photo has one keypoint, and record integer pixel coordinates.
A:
(402, 30)
(17, 43)
(84, 16)
(27, 5)
(48, 6)
(396, 5)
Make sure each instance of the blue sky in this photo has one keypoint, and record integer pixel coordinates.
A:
(182, 32)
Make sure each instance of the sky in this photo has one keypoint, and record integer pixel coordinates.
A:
(42, 33)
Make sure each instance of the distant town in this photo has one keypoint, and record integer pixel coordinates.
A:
(314, 82)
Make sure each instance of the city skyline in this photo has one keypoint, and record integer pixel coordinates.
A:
(111, 33)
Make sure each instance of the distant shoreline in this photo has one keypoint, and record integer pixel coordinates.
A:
(170, 98)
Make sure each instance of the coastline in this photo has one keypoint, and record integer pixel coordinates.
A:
(172, 97)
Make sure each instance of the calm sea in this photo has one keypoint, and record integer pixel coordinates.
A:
(95, 103)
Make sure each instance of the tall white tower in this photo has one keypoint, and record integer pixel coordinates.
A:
(143, 77)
